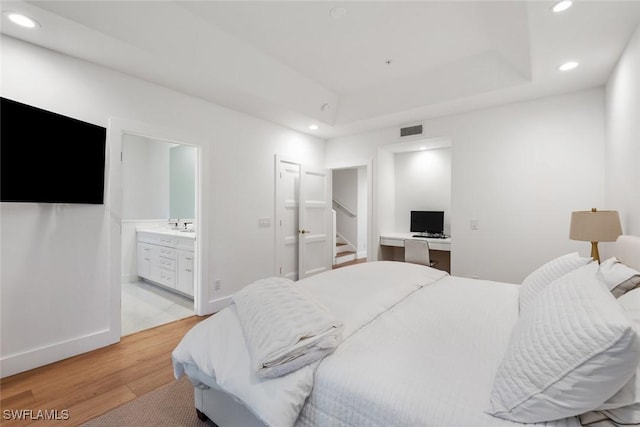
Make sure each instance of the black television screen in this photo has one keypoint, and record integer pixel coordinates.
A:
(427, 222)
(47, 157)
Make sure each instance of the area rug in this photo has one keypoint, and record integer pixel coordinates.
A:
(170, 405)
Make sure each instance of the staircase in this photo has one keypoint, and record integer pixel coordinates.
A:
(344, 252)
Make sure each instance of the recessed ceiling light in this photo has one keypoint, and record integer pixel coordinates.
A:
(562, 5)
(570, 65)
(338, 12)
(313, 127)
(22, 20)
(423, 148)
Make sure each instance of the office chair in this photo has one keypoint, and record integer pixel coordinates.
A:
(417, 252)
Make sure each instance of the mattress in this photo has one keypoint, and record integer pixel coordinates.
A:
(428, 361)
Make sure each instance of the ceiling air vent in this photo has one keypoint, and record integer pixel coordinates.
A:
(411, 130)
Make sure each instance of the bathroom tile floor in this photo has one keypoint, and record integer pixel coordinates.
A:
(145, 306)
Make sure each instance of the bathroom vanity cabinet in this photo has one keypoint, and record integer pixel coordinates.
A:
(166, 258)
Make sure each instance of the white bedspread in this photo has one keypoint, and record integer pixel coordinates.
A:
(429, 361)
(214, 350)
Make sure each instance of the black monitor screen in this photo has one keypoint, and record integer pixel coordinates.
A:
(427, 222)
(48, 157)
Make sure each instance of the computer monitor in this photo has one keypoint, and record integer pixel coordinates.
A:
(431, 222)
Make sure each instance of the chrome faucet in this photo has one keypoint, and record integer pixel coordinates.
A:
(174, 223)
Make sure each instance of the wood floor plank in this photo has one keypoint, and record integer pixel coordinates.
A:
(147, 383)
(95, 406)
(93, 383)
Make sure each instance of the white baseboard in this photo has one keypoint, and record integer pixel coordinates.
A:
(361, 254)
(26, 360)
(128, 278)
(215, 305)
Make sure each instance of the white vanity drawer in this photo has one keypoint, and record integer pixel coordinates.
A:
(167, 278)
(168, 241)
(168, 264)
(167, 252)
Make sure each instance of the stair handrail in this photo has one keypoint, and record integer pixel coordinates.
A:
(344, 209)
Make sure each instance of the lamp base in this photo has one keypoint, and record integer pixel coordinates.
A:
(595, 254)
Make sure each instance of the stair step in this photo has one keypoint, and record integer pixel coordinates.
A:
(344, 257)
(343, 253)
(340, 244)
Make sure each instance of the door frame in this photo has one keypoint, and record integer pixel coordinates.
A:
(277, 236)
(372, 253)
(116, 129)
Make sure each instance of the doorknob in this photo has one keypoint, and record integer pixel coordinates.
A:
(303, 231)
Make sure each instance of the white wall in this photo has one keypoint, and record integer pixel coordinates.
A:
(56, 262)
(623, 138)
(146, 177)
(423, 183)
(519, 169)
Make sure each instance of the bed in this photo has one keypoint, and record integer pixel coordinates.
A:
(418, 347)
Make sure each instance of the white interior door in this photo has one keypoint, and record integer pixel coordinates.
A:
(303, 203)
(315, 251)
(287, 190)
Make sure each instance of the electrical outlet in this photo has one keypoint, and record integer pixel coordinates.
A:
(218, 284)
(264, 222)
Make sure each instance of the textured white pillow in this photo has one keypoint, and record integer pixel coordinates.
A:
(619, 278)
(624, 407)
(569, 352)
(547, 273)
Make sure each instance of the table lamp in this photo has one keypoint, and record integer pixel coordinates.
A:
(595, 226)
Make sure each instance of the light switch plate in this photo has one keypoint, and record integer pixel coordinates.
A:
(264, 222)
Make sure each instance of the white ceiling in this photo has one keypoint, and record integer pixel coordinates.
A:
(295, 64)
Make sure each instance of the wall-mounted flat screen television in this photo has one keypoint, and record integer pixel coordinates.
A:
(431, 222)
(49, 158)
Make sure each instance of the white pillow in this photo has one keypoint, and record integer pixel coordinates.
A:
(569, 352)
(619, 278)
(547, 273)
(624, 406)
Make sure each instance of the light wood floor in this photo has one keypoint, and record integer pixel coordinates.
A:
(93, 383)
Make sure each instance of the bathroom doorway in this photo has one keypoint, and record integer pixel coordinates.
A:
(159, 199)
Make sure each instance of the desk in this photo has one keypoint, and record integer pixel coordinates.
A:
(392, 248)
